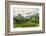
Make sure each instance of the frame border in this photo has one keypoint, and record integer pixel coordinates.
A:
(7, 13)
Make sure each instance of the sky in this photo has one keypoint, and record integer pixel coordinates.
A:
(25, 11)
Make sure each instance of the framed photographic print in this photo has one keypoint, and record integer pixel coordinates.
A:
(24, 17)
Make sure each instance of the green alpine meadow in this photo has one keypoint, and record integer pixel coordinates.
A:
(28, 21)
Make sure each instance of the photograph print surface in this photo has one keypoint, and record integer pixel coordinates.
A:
(25, 17)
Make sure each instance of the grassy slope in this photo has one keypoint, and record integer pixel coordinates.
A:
(32, 22)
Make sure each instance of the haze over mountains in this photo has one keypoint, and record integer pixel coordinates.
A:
(25, 12)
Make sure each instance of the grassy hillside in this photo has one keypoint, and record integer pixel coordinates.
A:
(20, 21)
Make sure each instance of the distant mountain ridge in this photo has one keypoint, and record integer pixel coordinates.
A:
(19, 15)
